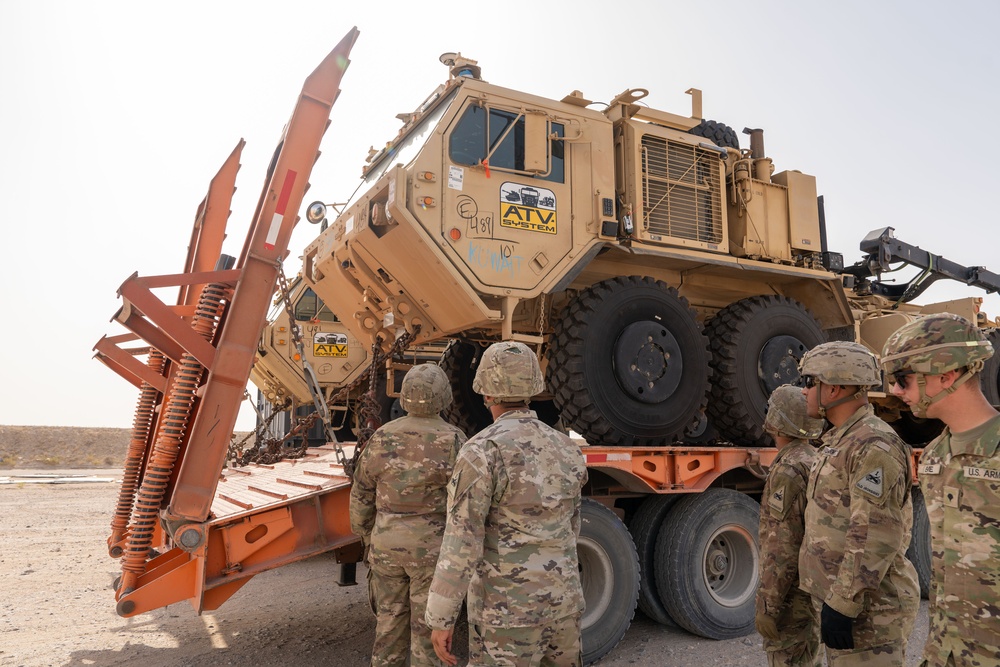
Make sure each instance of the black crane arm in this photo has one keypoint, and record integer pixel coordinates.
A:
(883, 250)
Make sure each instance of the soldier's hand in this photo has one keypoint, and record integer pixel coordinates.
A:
(837, 630)
(766, 626)
(441, 639)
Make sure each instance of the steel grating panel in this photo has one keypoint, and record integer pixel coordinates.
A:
(248, 489)
(681, 190)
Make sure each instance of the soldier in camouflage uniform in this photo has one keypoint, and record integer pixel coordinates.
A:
(398, 505)
(858, 515)
(513, 522)
(785, 615)
(934, 363)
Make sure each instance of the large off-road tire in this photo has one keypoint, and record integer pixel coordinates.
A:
(467, 410)
(645, 526)
(706, 563)
(628, 364)
(757, 344)
(609, 573)
(989, 377)
(919, 552)
(718, 133)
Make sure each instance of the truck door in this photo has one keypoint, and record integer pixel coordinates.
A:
(507, 196)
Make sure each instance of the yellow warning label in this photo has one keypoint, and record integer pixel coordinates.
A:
(529, 218)
(329, 350)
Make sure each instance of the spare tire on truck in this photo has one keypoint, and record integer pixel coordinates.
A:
(609, 573)
(707, 563)
(628, 364)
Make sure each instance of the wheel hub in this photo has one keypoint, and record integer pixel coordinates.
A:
(648, 362)
(778, 362)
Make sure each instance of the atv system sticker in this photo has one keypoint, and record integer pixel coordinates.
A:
(529, 208)
(329, 344)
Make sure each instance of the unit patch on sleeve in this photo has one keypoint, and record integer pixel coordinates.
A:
(871, 483)
(777, 499)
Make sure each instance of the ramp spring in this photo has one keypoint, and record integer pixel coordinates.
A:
(169, 438)
(141, 424)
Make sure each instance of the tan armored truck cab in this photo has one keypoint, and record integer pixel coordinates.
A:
(665, 275)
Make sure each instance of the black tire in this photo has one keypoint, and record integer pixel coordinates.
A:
(628, 364)
(718, 133)
(989, 378)
(919, 551)
(467, 411)
(645, 526)
(706, 563)
(757, 344)
(609, 573)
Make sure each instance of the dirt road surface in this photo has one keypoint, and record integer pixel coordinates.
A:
(57, 607)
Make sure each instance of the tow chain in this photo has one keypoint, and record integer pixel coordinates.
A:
(271, 450)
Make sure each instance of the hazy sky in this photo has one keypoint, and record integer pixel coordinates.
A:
(115, 115)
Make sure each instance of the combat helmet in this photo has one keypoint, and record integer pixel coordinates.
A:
(509, 373)
(843, 363)
(425, 390)
(787, 414)
(932, 345)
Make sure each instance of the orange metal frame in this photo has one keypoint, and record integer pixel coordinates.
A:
(210, 556)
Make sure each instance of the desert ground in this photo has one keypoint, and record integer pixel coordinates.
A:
(58, 608)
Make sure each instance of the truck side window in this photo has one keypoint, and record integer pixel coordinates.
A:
(468, 143)
(311, 307)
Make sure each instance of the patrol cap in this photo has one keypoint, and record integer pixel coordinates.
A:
(508, 370)
(936, 344)
(425, 390)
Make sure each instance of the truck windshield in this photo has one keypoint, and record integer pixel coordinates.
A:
(403, 152)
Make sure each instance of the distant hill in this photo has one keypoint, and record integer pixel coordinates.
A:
(62, 447)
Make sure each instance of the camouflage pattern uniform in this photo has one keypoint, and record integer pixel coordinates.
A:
(513, 522)
(782, 526)
(960, 478)
(398, 505)
(858, 519)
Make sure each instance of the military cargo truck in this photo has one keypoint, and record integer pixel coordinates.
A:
(668, 279)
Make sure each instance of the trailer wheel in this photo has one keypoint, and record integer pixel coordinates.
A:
(919, 551)
(706, 563)
(757, 344)
(989, 377)
(719, 133)
(629, 364)
(645, 526)
(609, 573)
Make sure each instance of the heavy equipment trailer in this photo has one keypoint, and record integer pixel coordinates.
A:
(670, 528)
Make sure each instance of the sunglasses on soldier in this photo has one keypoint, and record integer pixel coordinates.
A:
(900, 378)
(808, 381)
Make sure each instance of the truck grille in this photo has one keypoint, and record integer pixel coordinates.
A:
(681, 191)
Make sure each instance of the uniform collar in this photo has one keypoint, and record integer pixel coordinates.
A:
(834, 434)
(518, 413)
